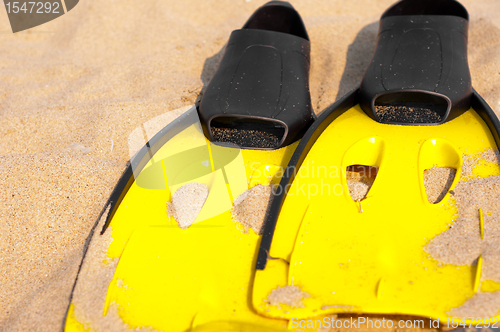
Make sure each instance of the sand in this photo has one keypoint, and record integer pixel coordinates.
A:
(187, 202)
(247, 138)
(46, 201)
(408, 114)
(470, 161)
(251, 207)
(94, 278)
(89, 78)
(481, 305)
(437, 182)
(291, 296)
(462, 243)
(360, 179)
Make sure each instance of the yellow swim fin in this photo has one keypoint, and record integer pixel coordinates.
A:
(414, 110)
(147, 268)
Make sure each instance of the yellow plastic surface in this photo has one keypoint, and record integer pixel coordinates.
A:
(203, 278)
(189, 157)
(371, 260)
(169, 277)
(172, 279)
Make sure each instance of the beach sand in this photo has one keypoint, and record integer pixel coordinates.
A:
(72, 90)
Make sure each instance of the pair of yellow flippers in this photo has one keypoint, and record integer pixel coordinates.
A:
(414, 110)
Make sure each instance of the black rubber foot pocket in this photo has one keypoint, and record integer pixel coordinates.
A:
(259, 97)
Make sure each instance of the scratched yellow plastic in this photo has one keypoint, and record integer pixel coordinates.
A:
(368, 256)
(199, 278)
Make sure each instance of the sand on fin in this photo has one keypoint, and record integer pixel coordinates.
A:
(250, 208)
(360, 179)
(482, 305)
(187, 203)
(437, 182)
(291, 296)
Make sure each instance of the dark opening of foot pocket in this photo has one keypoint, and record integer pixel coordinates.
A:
(411, 108)
(245, 132)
